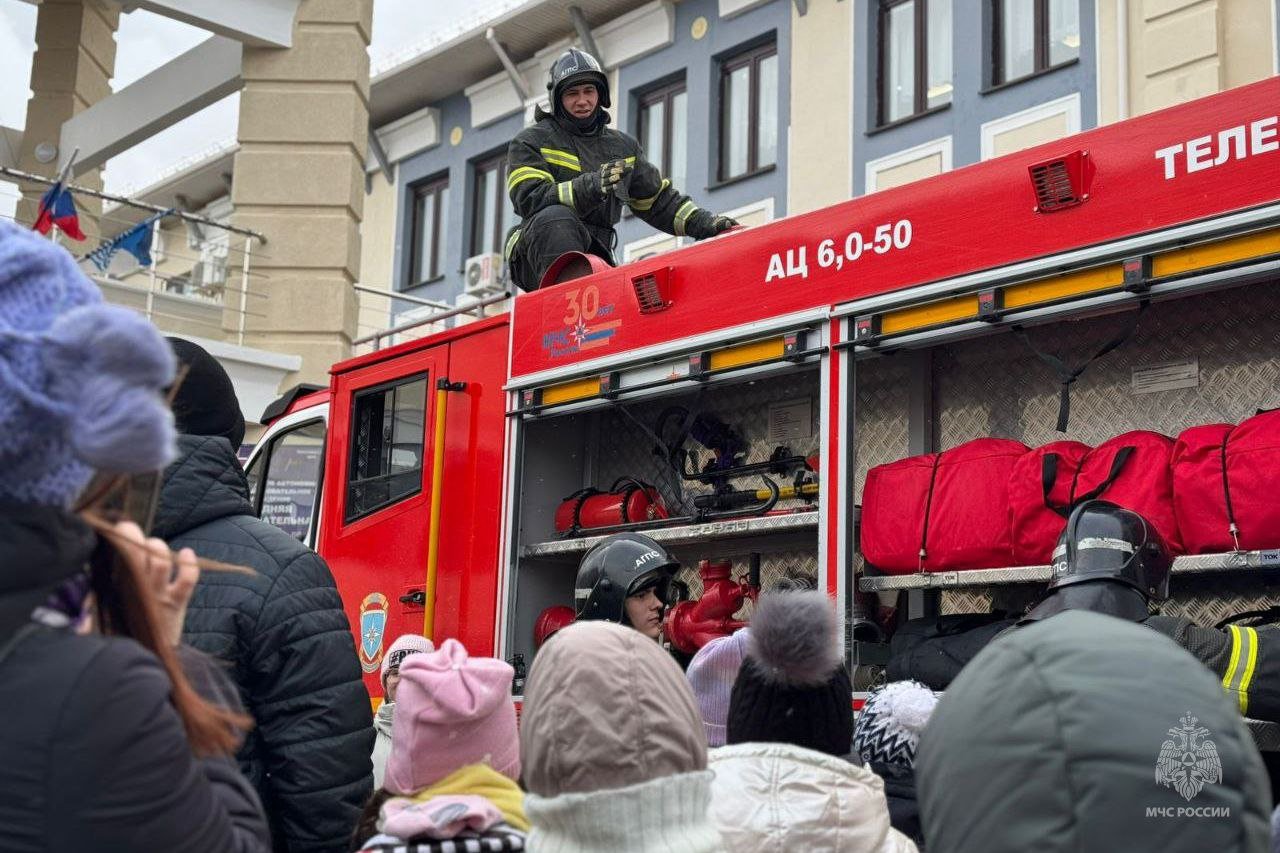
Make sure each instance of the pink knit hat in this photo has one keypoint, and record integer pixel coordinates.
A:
(711, 674)
(451, 711)
(405, 644)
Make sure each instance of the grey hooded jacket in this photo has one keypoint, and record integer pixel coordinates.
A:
(1086, 732)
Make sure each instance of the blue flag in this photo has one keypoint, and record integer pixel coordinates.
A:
(136, 241)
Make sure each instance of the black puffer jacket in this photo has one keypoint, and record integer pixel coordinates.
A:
(900, 794)
(93, 755)
(289, 644)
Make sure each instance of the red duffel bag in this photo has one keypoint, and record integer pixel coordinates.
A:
(628, 501)
(1226, 485)
(1132, 470)
(942, 511)
(1039, 492)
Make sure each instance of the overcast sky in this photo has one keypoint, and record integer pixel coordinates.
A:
(147, 41)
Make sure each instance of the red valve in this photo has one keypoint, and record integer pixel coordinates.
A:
(690, 625)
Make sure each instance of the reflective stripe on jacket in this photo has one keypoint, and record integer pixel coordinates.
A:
(543, 160)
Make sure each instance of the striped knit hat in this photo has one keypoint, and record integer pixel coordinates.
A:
(889, 726)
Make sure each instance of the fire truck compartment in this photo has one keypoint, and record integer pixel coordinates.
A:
(562, 454)
(1224, 349)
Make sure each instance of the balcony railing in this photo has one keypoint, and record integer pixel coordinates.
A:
(165, 263)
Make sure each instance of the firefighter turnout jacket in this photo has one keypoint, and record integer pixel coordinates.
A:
(1247, 660)
(546, 161)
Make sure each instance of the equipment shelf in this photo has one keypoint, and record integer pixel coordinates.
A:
(689, 534)
(1192, 564)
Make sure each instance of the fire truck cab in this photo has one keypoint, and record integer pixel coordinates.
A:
(753, 379)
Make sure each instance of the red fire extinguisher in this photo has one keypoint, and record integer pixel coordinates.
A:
(690, 625)
(627, 501)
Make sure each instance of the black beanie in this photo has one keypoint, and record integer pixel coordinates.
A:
(793, 686)
(206, 401)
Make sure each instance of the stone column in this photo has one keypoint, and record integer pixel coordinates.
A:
(74, 61)
(299, 180)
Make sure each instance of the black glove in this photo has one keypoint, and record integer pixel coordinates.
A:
(721, 224)
(590, 188)
(703, 224)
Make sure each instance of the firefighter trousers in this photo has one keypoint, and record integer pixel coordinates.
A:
(545, 236)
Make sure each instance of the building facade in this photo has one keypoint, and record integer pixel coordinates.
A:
(764, 109)
(943, 87)
(756, 108)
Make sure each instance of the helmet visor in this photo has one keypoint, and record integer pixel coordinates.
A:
(658, 580)
(1093, 554)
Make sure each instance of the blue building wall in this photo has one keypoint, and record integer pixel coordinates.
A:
(456, 160)
(974, 102)
(697, 59)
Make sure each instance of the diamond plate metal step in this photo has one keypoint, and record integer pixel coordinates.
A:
(1232, 561)
(687, 534)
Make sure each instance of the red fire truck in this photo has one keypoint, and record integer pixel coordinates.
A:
(751, 381)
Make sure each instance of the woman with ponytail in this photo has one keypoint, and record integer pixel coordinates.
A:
(111, 737)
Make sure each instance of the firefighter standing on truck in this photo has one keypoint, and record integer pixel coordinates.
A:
(569, 176)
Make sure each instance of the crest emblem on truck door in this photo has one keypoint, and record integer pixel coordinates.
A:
(373, 625)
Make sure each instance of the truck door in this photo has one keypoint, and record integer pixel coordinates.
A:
(377, 522)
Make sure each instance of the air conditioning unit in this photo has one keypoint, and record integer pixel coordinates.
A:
(483, 274)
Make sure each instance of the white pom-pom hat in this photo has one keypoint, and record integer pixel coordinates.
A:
(889, 726)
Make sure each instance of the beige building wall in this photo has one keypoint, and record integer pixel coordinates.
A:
(1178, 50)
(1041, 123)
(300, 181)
(1030, 135)
(74, 61)
(377, 253)
(913, 164)
(913, 170)
(820, 156)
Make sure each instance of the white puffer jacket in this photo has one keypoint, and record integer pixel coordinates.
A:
(382, 744)
(773, 797)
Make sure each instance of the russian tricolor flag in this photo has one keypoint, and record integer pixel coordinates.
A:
(57, 207)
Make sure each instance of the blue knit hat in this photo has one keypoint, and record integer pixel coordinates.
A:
(80, 381)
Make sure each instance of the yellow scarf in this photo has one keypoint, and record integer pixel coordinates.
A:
(481, 780)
